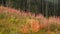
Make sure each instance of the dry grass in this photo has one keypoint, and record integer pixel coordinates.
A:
(14, 21)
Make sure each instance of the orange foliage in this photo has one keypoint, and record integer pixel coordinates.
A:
(53, 32)
(35, 25)
(25, 29)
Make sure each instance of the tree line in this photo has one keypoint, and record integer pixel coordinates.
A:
(34, 6)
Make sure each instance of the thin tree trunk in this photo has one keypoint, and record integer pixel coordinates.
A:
(28, 4)
(46, 14)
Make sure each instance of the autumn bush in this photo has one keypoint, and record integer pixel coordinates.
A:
(14, 21)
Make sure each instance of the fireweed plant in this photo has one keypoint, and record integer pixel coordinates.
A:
(14, 21)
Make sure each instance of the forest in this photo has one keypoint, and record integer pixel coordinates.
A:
(29, 17)
(35, 6)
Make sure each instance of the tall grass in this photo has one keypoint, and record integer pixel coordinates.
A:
(14, 21)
